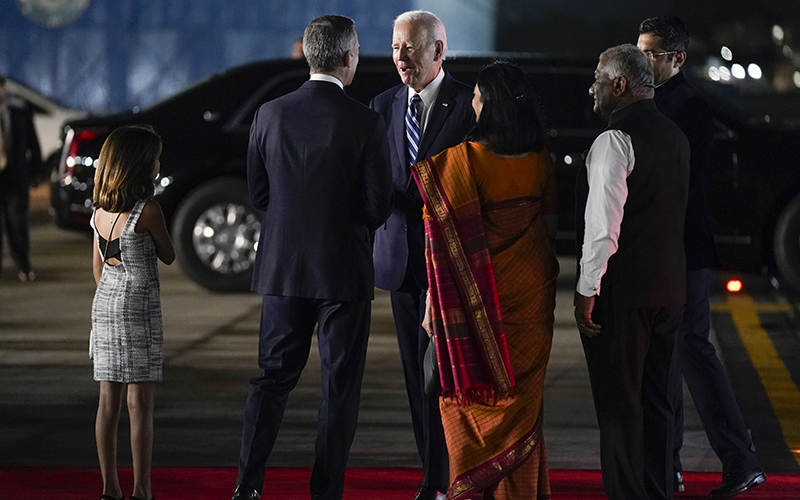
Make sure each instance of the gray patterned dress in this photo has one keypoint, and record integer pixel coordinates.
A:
(127, 337)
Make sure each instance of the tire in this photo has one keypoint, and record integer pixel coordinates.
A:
(786, 244)
(216, 231)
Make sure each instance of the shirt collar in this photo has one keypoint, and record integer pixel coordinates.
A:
(430, 92)
(322, 77)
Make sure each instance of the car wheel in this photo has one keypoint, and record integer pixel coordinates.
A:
(786, 245)
(216, 231)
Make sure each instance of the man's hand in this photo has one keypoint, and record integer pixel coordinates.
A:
(427, 322)
(583, 315)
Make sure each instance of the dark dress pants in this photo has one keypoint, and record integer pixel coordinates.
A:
(287, 328)
(709, 385)
(14, 222)
(408, 309)
(629, 366)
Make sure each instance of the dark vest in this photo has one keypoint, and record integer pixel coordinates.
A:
(649, 267)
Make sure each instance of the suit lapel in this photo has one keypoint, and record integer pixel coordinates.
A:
(445, 102)
(399, 125)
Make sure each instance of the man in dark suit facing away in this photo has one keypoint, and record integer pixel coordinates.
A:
(317, 167)
(20, 159)
(429, 112)
(632, 281)
(665, 41)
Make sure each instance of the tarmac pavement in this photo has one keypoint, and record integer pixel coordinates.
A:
(48, 399)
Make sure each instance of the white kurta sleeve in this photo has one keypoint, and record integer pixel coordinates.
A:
(608, 164)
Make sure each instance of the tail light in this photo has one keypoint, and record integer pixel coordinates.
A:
(70, 156)
(734, 286)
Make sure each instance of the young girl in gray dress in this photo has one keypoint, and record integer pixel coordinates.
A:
(130, 235)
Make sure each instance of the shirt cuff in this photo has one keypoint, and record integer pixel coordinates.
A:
(587, 287)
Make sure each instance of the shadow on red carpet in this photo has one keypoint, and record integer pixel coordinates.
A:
(205, 483)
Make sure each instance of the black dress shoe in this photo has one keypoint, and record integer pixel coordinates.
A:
(244, 492)
(678, 486)
(733, 485)
(426, 493)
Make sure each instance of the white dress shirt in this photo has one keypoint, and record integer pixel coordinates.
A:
(608, 165)
(428, 96)
(322, 77)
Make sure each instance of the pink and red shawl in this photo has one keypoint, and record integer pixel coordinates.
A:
(471, 347)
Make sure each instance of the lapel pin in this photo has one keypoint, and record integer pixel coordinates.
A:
(444, 104)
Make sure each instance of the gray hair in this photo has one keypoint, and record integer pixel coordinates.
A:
(628, 61)
(433, 26)
(326, 40)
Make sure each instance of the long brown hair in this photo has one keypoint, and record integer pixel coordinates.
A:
(123, 169)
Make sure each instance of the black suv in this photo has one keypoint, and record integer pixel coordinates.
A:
(202, 186)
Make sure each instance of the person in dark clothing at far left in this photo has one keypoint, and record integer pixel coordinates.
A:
(20, 158)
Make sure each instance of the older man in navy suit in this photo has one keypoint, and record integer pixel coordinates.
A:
(317, 167)
(429, 112)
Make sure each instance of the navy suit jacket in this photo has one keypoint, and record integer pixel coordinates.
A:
(400, 243)
(317, 166)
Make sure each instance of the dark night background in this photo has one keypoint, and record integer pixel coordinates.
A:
(117, 55)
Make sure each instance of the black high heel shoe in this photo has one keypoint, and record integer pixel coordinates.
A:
(109, 497)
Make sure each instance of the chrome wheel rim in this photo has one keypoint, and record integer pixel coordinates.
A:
(225, 237)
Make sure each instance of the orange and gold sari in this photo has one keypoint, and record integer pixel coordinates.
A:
(492, 286)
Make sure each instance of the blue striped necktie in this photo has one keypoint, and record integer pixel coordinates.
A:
(412, 128)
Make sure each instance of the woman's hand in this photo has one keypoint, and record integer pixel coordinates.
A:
(427, 322)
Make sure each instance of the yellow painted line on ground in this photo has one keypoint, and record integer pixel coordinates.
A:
(759, 307)
(783, 394)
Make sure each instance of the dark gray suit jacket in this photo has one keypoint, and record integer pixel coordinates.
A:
(317, 167)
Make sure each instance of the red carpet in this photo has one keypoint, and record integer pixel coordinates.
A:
(202, 483)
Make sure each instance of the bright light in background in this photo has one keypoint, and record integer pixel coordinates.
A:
(788, 52)
(568, 160)
(726, 53)
(777, 34)
(734, 286)
(797, 79)
(737, 70)
(713, 73)
(754, 71)
(725, 73)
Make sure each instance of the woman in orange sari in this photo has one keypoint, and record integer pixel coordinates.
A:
(490, 215)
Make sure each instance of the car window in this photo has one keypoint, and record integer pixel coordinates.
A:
(275, 87)
(563, 93)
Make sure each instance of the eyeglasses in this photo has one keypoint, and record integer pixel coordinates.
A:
(652, 55)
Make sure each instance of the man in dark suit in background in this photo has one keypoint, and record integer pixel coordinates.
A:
(20, 159)
(429, 112)
(665, 40)
(317, 167)
(631, 286)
